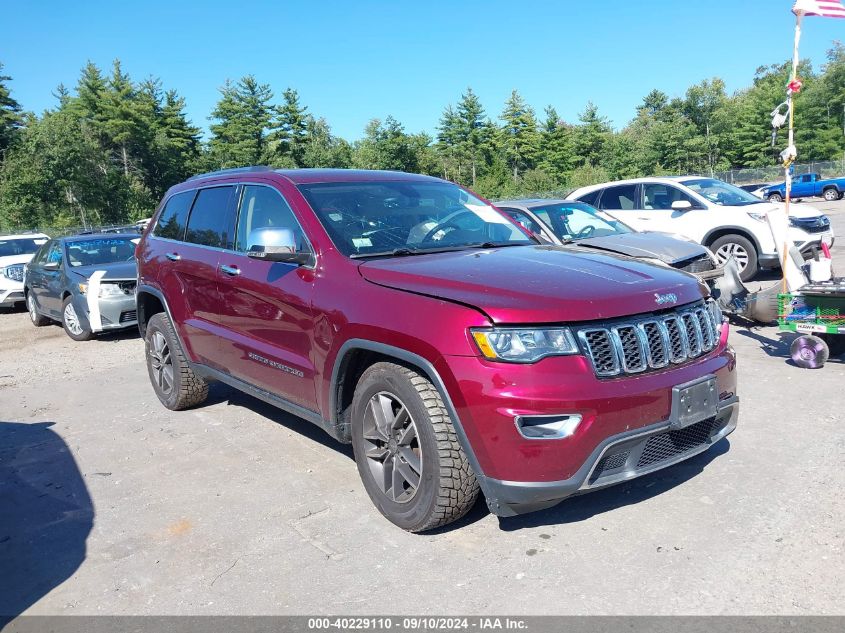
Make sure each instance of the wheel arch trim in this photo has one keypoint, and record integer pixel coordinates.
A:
(721, 231)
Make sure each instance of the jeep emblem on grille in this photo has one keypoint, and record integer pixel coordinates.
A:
(664, 299)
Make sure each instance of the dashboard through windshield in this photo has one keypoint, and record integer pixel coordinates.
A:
(404, 218)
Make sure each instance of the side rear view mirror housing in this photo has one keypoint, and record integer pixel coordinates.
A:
(274, 244)
(681, 206)
(51, 265)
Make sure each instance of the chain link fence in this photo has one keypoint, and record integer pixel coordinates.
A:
(62, 231)
(754, 175)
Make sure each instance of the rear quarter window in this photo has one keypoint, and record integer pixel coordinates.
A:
(171, 223)
(210, 219)
(590, 198)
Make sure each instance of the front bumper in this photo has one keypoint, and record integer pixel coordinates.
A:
(11, 296)
(109, 313)
(618, 459)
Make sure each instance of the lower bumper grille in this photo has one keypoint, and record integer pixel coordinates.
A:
(667, 445)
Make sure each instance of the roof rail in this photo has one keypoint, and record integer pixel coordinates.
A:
(233, 170)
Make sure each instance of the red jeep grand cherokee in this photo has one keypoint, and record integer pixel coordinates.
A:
(409, 317)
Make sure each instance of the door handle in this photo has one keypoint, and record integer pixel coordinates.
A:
(174, 257)
(232, 271)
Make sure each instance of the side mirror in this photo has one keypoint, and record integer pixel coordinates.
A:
(681, 206)
(276, 245)
(51, 265)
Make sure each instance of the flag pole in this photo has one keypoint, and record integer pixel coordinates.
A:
(788, 162)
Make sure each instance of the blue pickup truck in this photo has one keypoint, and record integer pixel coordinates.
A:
(808, 186)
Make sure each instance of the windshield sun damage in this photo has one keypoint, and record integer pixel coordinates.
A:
(721, 193)
(101, 251)
(405, 218)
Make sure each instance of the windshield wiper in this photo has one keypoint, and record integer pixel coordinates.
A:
(497, 244)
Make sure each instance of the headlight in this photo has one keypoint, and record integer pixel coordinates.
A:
(524, 345)
(110, 290)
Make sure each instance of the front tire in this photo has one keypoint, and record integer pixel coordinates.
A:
(775, 197)
(741, 249)
(74, 325)
(407, 452)
(38, 319)
(831, 195)
(177, 386)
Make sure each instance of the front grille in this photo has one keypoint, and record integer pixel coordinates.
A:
(609, 462)
(670, 444)
(650, 343)
(14, 272)
(811, 225)
(128, 316)
(700, 264)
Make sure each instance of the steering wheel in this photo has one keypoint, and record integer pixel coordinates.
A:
(446, 224)
(587, 231)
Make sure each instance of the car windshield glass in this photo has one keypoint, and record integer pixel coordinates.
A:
(95, 252)
(405, 218)
(20, 246)
(721, 193)
(577, 221)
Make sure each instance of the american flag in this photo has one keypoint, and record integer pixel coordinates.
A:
(823, 8)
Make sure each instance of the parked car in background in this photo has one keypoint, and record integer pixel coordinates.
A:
(578, 223)
(412, 319)
(729, 221)
(807, 186)
(15, 252)
(85, 282)
(757, 190)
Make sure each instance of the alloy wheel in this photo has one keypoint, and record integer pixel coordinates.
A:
(72, 320)
(725, 251)
(392, 447)
(30, 305)
(161, 362)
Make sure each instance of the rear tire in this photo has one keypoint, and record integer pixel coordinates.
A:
(741, 249)
(174, 382)
(38, 319)
(775, 197)
(74, 324)
(408, 455)
(809, 352)
(831, 194)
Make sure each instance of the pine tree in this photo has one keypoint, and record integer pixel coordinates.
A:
(518, 136)
(11, 117)
(289, 136)
(243, 116)
(472, 132)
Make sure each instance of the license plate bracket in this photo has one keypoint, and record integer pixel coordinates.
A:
(694, 401)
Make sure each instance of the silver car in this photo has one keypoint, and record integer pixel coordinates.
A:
(85, 282)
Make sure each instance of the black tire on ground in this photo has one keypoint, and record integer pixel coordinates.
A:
(446, 487)
(174, 382)
(736, 245)
(75, 324)
(831, 194)
(835, 343)
(775, 197)
(38, 319)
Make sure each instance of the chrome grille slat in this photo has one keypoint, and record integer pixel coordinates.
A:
(642, 344)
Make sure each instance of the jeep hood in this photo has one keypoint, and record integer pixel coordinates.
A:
(537, 284)
(667, 249)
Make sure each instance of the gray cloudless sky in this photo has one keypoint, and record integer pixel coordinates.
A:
(353, 61)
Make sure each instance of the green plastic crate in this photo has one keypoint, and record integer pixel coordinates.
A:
(811, 314)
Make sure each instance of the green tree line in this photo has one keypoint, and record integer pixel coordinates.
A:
(110, 148)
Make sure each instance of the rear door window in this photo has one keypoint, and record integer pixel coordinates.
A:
(171, 222)
(621, 197)
(210, 221)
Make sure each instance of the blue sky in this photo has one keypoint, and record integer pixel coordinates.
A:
(351, 61)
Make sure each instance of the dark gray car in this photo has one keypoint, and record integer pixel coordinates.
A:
(578, 223)
(85, 282)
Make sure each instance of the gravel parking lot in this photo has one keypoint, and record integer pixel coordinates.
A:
(110, 504)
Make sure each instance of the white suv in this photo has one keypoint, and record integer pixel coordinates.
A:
(15, 252)
(726, 219)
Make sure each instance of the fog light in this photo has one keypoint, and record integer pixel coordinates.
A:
(547, 427)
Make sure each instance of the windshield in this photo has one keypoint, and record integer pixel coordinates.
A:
(95, 252)
(401, 218)
(20, 246)
(578, 221)
(721, 193)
